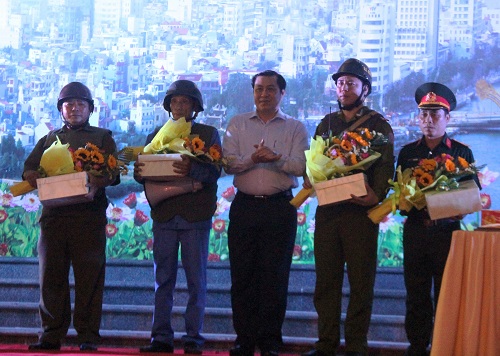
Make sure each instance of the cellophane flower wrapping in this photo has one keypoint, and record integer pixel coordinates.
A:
(440, 173)
(338, 156)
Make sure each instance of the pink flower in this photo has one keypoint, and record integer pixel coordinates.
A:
(149, 244)
(30, 203)
(116, 213)
(486, 177)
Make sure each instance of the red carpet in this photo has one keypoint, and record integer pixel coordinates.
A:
(22, 350)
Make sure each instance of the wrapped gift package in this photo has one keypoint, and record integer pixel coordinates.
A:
(63, 190)
(339, 189)
(461, 201)
(159, 167)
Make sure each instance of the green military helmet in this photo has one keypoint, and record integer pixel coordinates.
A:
(75, 90)
(355, 67)
(187, 88)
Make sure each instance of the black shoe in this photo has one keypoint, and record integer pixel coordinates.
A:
(44, 345)
(315, 352)
(239, 350)
(88, 346)
(157, 346)
(192, 348)
(269, 353)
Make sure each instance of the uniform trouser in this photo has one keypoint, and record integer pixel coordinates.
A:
(79, 242)
(425, 253)
(344, 237)
(261, 238)
(194, 255)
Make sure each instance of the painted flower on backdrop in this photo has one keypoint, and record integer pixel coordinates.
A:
(386, 223)
(141, 199)
(222, 206)
(311, 226)
(229, 194)
(486, 177)
(301, 218)
(7, 200)
(219, 225)
(485, 201)
(3, 216)
(140, 218)
(111, 230)
(116, 213)
(30, 203)
(131, 200)
(4, 249)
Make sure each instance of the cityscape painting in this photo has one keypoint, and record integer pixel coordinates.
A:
(129, 51)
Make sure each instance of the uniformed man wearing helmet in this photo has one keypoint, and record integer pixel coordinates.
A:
(344, 235)
(72, 234)
(183, 220)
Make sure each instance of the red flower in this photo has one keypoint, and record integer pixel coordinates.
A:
(149, 244)
(297, 251)
(301, 219)
(140, 218)
(111, 230)
(213, 257)
(131, 200)
(485, 201)
(3, 216)
(4, 249)
(229, 194)
(219, 225)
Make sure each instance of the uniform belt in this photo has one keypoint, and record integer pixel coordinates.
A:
(438, 222)
(283, 194)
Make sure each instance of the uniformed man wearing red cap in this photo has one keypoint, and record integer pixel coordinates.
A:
(426, 242)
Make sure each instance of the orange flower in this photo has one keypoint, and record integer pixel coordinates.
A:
(425, 179)
(112, 162)
(97, 157)
(346, 145)
(368, 134)
(418, 172)
(215, 152)
(354, 159)
(450, 166)
(197, 144)
(463, 163)
(428, 164)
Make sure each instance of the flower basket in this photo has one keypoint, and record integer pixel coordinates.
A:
(66, 189)
(340, 189)
(461, 201)
(159, 167)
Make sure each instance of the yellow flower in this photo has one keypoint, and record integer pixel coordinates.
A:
(97, 157)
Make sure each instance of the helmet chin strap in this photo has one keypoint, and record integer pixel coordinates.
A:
(74, 127)
(359, 101)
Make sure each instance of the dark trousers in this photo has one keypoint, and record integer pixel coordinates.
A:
(425, 253)
(344, 238)
(79, 242)
(261, 237)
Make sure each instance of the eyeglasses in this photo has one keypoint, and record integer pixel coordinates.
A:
(341, 83)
